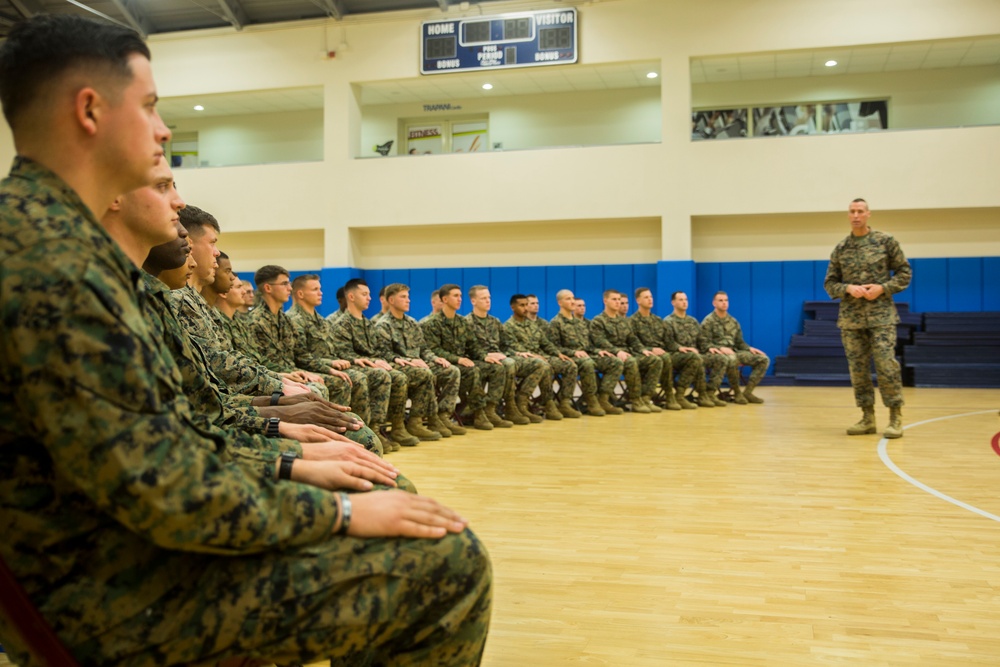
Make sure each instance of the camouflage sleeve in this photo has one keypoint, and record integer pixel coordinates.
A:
(556, 336)
(900, 267)
(510, 340)
(548, 347)
(343, 344)
(834, 283)
(706, 336)
(669, 337)
(306, 358)
(261, 339)
(641, 333)
(738, 342)
(385, 343)
(599, 336)
(426, 353)
(433, 338)
(473, 347)
(89, 376)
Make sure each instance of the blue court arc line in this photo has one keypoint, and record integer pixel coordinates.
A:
(883, 454)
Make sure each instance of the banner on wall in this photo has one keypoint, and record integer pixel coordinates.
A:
(425, 140)
(469, 137)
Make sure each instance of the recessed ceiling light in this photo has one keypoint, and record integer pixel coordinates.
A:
(652, 75)
(487, 86)
(831, 63)
(198, 107)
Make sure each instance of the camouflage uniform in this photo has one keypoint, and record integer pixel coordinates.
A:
(406, 340)
(452, 338)
(273, 336)
(356, 338)
(569, 335)
(686, 333)
(243, 374)
(614, 334)
(528, 336)
(726, 332)
(523, 373)
(137, 538)
(314, 338)
(689, 365)
(651, 332)
(868, 328)
(335, 316)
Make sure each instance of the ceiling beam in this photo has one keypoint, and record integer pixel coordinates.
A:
(334, 8)
(234, 13)
(28, 8)
(135, 16)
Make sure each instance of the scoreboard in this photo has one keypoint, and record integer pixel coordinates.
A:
(525, 39)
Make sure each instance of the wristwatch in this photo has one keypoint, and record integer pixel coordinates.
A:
(285, 469)
(275, 397)
(345, 513)
(271, 430)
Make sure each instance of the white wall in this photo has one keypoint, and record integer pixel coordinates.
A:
(289, 136)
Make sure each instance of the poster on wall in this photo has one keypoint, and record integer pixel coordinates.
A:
(871, 116)
(469, 137)
(425, 140)
(718, 124)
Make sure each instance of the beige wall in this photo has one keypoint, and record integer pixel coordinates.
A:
(673, 181)
(290, 136)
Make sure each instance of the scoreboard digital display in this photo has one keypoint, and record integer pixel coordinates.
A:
(526, 39)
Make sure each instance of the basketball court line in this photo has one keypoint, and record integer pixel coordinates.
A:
(883, 453)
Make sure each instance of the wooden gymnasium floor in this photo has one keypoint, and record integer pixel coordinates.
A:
(745, 535)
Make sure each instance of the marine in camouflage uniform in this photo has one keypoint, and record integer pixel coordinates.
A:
(524, 374)
(526, 336)
(650, 331)
(718, 331)
(869, 258)
(614, 334)
(686, 331)
(139, 541)
(571, 336)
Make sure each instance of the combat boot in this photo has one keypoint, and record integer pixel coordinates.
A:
(895, 427)
(482, 422)
(495, 419)
(639, 406)
(604, 401)
(594, 408)
(686, 404)
(512, 414)
(704, 400)
(567, 410)
(552, 411)
(867, 423)
(435, 424)
(415, 426)
(713, 395)
(749, 395)
(452, 425)
(399, 435)
(672, 401)
(522, 407)
(387, 444)
(738, 397)
(653, 407)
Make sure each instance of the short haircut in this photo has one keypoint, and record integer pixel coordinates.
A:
(609, 292)
(381, 292)
(475, 289)
(341, 299)
(517, 297)
(719, 293)
(640, 290)
(447, 288)
(531, 296)
(393, 289)
(267, 273)
(223, 255)
(41, 49)
(352, 285)
(674, 294)
(562, 294)
(300, 281)
(859, 200)
(195, 220)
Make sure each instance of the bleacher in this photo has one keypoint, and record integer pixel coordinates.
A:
(955, 350)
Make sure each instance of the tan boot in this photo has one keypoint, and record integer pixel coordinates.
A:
(482, 422)
(451, 424)
(513, 415)
(399, 435)
(522, 407)
(605, 402)
(495, 419)
(686, 404)
(435, 424)
(594, 408)
(567, 410)
(672, 402)
(639, 406)
(552, 411)
(415, 426)
(653, 407)
(705, 401)
(895, 427)
(713, 395)
(867, 423)
(749, 395)
(739, 398)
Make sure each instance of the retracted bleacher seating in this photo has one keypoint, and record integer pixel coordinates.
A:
(956, 350)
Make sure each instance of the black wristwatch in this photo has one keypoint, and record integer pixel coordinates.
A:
(285, 469)
(275, 397)
(271, 430)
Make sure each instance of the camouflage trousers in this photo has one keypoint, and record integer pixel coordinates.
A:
(419, 389)
(353, 601)
(716, 365)
(666, 373)
(364, 436)
(446, 383)
(566, 370)
(610, 369)
(398, 393)
(690, 371)
(525, 373)
(332, 389)
(649, 368)
(876, 344)
(359, 394)
(470, 389)
(758, 364)
(379, 388)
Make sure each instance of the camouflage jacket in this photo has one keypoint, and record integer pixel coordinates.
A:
(569, 334)
(875, 258)
(405, 338)
(451, 338)
(684, 331)
(650, 330)
(721, 332)
(274, 336)
(111, 491)
(357, 338)
(490, 334)
(528, 336)
(335, 316)
(243, 374)
(613, 334)
(313, 336)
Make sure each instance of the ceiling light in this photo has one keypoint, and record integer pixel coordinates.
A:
(831, 63)
(487, 86)
(652, 75)
(198, 107)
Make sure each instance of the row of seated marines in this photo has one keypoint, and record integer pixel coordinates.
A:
(488, 369)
